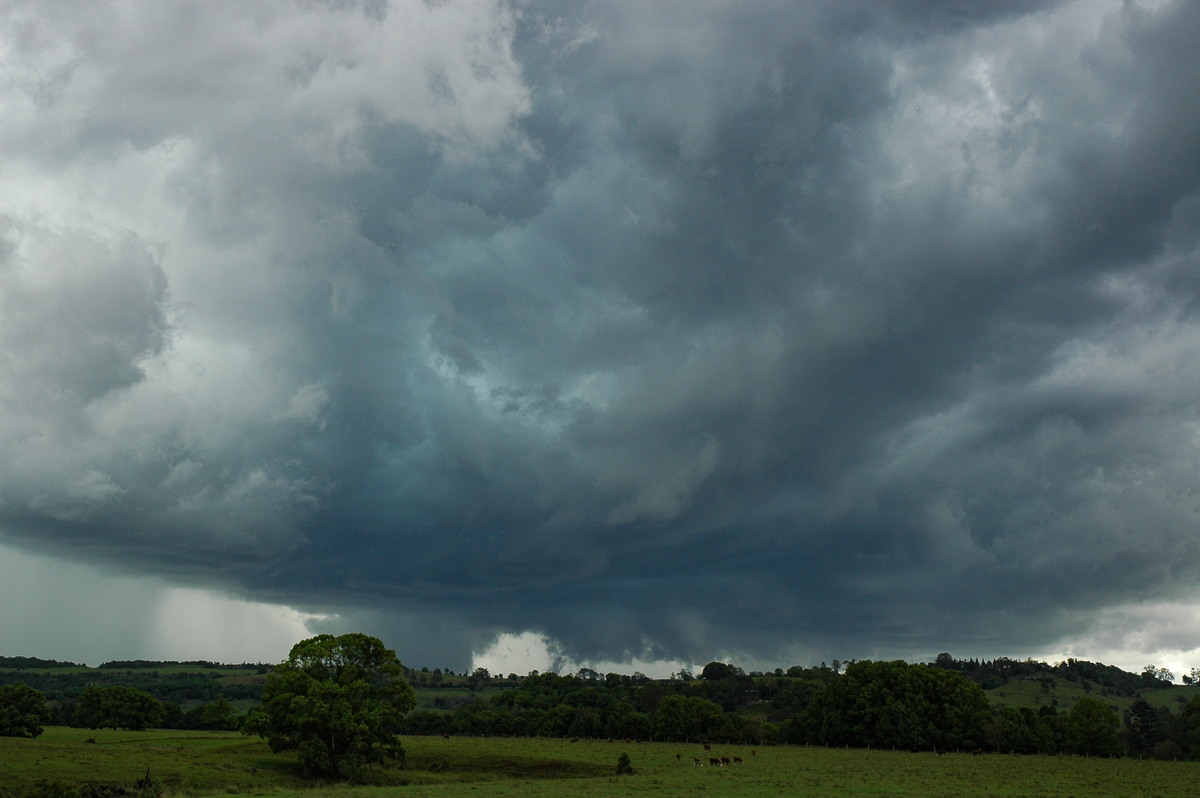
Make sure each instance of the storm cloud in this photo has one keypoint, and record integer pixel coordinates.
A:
(659, 329)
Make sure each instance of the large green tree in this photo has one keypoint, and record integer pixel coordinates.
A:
(1092, 728)
(23, 710)
(1024, 731)
(117, 707)
(1189, 722)
(686, 718)
(895, 704)
(337, 701)
(1143, 727)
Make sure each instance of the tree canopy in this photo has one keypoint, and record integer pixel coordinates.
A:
(337, 701)
(117, 707)
(23, 710)
(1092, 728)
(880, 704)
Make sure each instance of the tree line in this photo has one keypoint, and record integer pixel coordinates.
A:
(920, 707)
(936, 706)
(210, 693)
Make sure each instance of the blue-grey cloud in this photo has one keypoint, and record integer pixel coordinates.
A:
(659, 329)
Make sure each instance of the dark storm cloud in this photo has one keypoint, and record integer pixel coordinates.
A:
(661, 329)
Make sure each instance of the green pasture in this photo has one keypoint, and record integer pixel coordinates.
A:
(429, 697)
(204, 764)
(1062, 695)
(800, 771)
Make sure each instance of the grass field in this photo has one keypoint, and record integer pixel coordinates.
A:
(213, 763)
(1063, 694)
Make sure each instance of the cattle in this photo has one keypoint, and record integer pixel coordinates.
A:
(712, 760)
(696, 761)
(737, 760)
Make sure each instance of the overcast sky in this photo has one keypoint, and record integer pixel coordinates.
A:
(635, 331)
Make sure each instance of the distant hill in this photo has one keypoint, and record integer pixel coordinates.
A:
(35, 662)
(182, 683)
(1034, 684)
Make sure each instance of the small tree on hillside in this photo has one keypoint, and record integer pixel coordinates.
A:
(715, 671)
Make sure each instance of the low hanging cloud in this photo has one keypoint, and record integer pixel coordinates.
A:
(662, 330)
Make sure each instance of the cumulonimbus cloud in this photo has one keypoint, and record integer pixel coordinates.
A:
(658, 329)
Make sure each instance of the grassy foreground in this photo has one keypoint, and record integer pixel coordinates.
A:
(213, 763)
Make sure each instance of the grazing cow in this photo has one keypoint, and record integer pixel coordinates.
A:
(678, 757)
(696, 761)
(725, 761)
(707, 747)
(445, 736)
(977, 751)
(574, 739)
(753, 752)
(737, 760)
(940, 752)
(712, 760)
